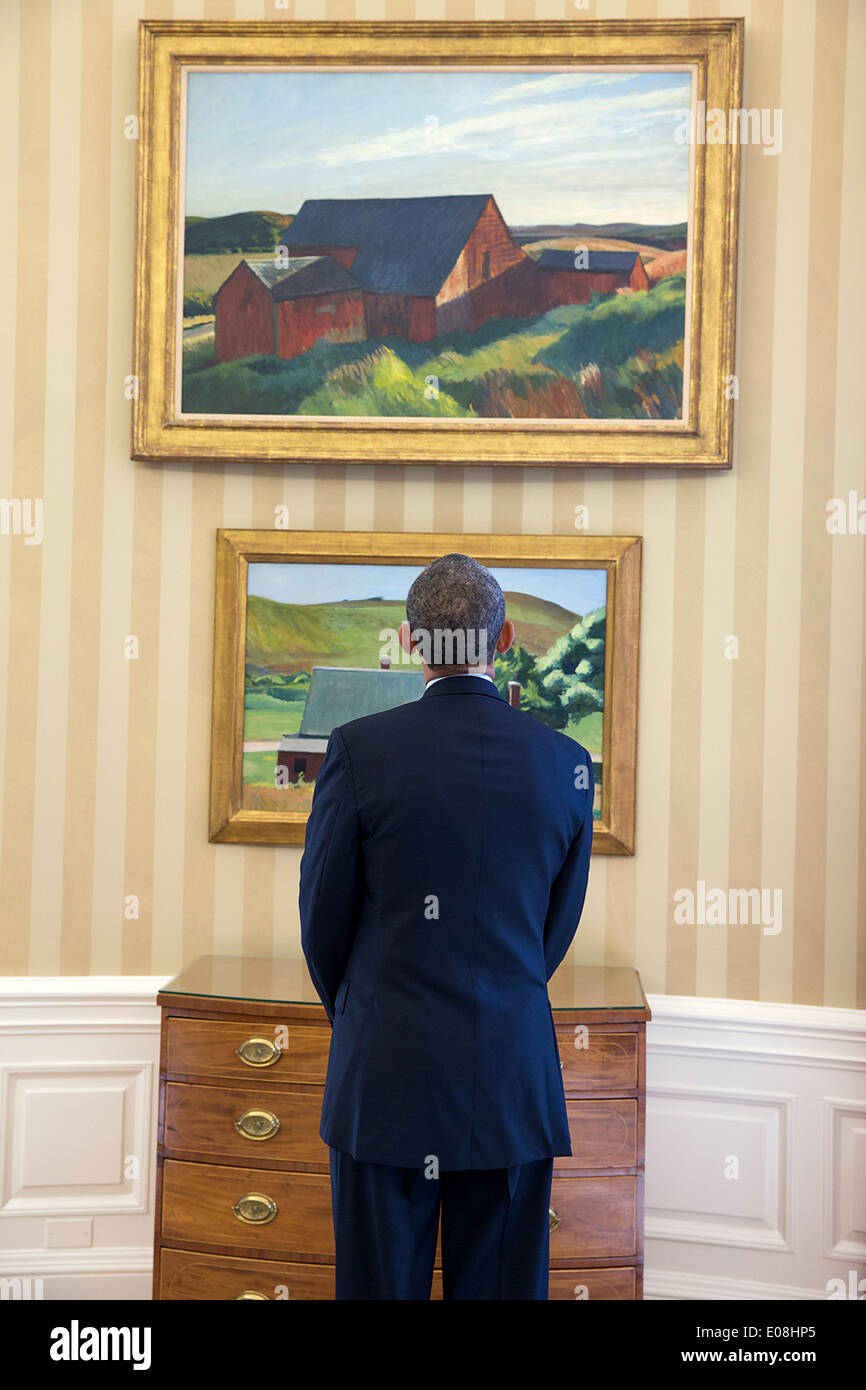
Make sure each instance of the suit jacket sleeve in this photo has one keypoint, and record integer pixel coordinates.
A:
(569, 887)
(331, 876)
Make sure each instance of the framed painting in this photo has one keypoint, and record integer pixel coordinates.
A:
(306, 638)
(456, 243)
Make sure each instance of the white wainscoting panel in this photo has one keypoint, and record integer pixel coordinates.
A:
(79, 1070)
(756, 1150)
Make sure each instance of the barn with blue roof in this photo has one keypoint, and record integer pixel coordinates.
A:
(572, 275)
(355, 268)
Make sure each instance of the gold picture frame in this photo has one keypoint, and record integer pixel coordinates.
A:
(700, 437)
(619, 556)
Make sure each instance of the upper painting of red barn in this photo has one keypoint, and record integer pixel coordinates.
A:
(557, 291)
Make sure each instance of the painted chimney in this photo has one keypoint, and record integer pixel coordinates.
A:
(514, 688)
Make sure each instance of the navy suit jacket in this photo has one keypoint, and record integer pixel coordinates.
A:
(444, 874)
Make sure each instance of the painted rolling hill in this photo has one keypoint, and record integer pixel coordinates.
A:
(347, 633)
(238, 231)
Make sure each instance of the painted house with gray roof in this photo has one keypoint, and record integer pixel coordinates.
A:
(336, 695)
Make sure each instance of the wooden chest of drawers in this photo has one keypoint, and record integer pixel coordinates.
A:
(243, 1197)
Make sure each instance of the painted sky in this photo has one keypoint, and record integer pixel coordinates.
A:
(560, 146)
(580, 591)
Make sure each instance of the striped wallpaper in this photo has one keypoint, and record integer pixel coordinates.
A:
(750, 771)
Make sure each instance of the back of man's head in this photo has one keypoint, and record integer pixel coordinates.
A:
(455, 610)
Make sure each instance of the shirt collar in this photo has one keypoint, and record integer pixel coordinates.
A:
(479, 675)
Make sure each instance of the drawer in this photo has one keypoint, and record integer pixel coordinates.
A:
(593, 1218)
(599, 1285)
(208, 1047)
(603, 1134)
(184, 1274)
(197, 1202)
(595, 1061)
(594, 1285)
(202, 1119)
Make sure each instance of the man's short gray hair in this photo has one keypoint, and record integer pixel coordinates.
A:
(455, 610)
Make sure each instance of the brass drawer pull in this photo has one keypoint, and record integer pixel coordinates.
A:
(257, 1124)
(553, 1219)
(250, 1293)
(258, 1052)
(255, 1209)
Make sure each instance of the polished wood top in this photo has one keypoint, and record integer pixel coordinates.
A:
(614, 990)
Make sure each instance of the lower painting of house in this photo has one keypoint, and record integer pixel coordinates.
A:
(321, 650)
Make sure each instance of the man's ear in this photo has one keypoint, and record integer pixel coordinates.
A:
(405, 638)
(506, 636)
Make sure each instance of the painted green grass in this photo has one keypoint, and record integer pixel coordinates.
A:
(203, 274)
(197, 303)
(380, 384)
(516, 352)
(647, 385)
(265, 717)
(198, 354)
(587, 731)
(615, 327)
(260, 769)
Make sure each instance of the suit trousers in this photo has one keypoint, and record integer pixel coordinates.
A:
(495, 1230)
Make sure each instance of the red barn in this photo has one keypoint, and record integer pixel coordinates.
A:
(422, 261)
(281, 306)
(602, 271)
(244, 312)
(350, 269)
(357, 268)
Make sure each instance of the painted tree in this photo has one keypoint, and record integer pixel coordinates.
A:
(518, 664)
(567, 681)
(571, 672)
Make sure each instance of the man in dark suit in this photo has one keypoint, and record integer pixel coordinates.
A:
(444, 875)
